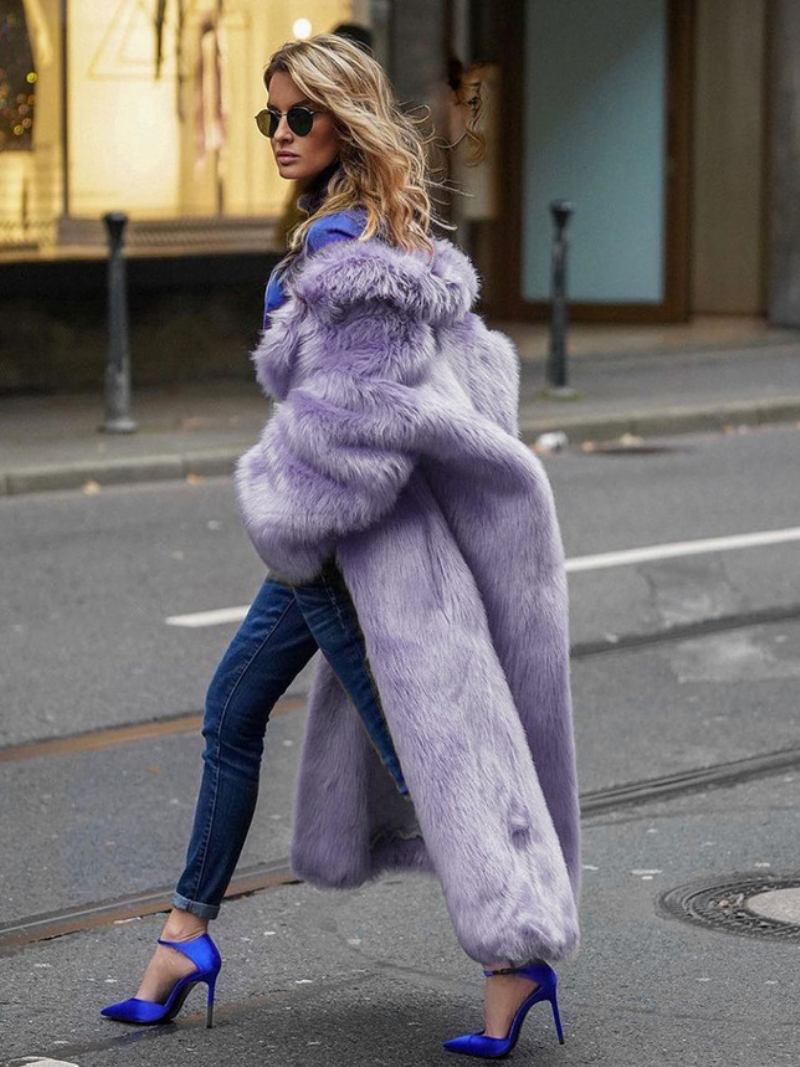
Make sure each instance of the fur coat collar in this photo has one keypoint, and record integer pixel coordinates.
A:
(394, 443)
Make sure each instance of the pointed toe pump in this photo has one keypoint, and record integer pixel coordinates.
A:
(205, 955)
(492, 1048)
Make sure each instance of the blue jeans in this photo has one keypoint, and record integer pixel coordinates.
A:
(283, 628)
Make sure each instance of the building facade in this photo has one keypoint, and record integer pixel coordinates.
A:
(672, 127)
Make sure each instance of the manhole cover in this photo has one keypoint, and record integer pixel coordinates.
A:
(780, 904)
(754, 905)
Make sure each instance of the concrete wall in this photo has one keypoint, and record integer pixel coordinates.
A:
(783, 305)
(185, 324)
(728, 154)
(416, 60)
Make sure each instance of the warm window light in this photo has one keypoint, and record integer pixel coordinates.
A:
(301, 28)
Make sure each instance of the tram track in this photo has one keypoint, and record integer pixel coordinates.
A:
(19, 933)
(111, 736)
(90, 916)
(684, 631)
(271, 875)
(191, 722)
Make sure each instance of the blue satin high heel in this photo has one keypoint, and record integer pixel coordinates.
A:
(478, 1044)
(202, 951)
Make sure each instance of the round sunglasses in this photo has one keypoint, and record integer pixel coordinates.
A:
(300, 119)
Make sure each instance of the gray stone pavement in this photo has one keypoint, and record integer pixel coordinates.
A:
(374, 976)
(53, 442)
(680, 706)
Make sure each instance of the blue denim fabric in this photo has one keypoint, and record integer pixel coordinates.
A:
(283, 628)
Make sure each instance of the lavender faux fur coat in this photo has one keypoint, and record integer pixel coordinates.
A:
(394, 443)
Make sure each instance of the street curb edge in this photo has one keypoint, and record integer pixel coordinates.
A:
(220, 461)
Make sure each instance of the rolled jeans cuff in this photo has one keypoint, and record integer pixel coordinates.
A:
(195, 907)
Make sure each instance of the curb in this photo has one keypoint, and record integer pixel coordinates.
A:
(220, 461)
(75, 475)
(676, 419)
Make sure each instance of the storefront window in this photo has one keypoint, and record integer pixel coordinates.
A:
(17, 79)
(142, 106)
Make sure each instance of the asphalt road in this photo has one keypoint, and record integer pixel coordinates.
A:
(680, 662)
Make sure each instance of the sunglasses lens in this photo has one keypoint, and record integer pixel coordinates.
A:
(267, 123)
(300, 120)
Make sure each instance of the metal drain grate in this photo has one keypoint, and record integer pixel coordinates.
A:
(722, 905)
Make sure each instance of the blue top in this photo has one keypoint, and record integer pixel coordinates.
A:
(337, 227)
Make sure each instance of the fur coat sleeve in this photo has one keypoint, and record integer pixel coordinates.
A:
(344, 359)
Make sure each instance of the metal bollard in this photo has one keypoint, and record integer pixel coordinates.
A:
(118, 371)
(556, 367)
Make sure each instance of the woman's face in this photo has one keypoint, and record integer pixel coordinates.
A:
(300, 157)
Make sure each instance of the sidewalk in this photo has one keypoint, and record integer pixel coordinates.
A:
(53, 442)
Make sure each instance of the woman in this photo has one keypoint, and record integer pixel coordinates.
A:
(412, 537)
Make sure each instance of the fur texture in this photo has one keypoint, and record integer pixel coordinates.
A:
(394, 442)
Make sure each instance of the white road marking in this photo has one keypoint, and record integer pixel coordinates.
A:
(622, 558)
(207, 618)
(682, 548)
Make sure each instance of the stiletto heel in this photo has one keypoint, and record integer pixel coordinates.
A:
(479, 1044)
(210, 1001)
(557, 1017)
(202, 951)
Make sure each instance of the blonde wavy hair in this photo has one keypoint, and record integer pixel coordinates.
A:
(384, 166)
